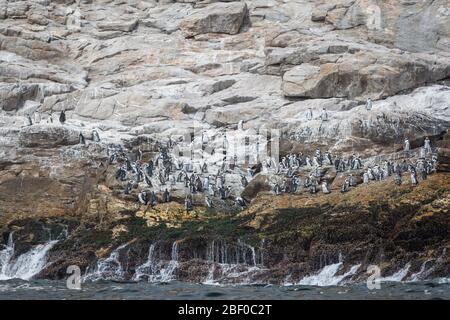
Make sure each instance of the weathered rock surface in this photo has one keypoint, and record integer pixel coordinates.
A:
(139, 71)
(45, 136)
(403, 24)
(129, 64)
(124, 26)
(362, 75)
(215, 18)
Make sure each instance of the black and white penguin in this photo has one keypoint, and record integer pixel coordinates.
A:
(112, 158)
(121, 174)
(128, 187)
(95, 136)
(240, 201)
(81, 138)
(244, 181)
(345, 186)
(313, 188)
(140, 175)
(128, 163)
(148, 181)
(352, 181)
(37, 117)
(228, 192)
(277, 189)
(241, 125)
(309, 114)
(153, 199)
(188, 203)
(369, 104)
(62, 117)
(398, 179)
(30, 122)
(330, 158)
(162, 178)
(150, 168)
(325, 188)
(208, 202)
(142, 197)
(166, 196)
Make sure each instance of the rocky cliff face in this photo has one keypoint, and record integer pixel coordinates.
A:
(140, 71)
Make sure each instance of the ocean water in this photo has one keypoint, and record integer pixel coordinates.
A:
(44, 289)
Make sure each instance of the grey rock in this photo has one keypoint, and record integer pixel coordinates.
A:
(158, 67)
(124, 26)
(47, 136)
(357, 75)
(215, 18)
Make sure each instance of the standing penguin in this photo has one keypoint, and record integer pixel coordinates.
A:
(325, 188)
(148, 181)
(365, 178)
(208, 202)
(206, 183)
(149, 168)
(244, 181)
(81, 138)
(398, 179)
(222, 193)
(240, 202)
(241, 125)
(413, 173)
(50, 118)
(37, 117)
(422, 152)
(121, 174)
(153, 199)
(128, 187)
(324, 115)
(227, 192)
(30, 122)
(188, 203)
(352, 181)
(313, 187)
(62, 117)
(166, 196)
(427, 145)
(369, 104)
(413, 178)
(277, 189)
(345, 186)
(95, 136)
(406, 145)
(423, 173)
(142, 197)
(309, 114)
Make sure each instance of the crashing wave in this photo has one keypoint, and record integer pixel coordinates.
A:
(27, 265)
